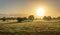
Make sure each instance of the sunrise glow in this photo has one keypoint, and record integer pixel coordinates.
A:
(40, 12)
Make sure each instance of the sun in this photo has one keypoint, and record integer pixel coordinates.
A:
(40, 11)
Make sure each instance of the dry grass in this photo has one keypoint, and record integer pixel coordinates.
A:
(36, 26)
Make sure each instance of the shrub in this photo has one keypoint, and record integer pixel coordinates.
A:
(19, 19)
(4, 19)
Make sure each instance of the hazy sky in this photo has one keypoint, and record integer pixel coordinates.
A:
(28, 7)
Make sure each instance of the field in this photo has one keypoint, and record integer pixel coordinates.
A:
(37, 27)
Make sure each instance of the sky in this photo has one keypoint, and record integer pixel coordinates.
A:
(28, 7)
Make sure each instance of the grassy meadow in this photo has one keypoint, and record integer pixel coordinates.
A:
(37, 27)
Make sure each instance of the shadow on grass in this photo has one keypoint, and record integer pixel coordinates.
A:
(32, 33)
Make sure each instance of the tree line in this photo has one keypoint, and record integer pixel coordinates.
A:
(30, 18)
(19, 19)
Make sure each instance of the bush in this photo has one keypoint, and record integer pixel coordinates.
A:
(19, 19)
(4, 19)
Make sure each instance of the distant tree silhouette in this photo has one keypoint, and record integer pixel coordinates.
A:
(58, 18)
(54, 18)
(31, 17)
(47, 18)
(19, 19)
(25, 18)
(4, 19)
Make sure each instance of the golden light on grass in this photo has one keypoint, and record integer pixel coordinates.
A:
(40, 12)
